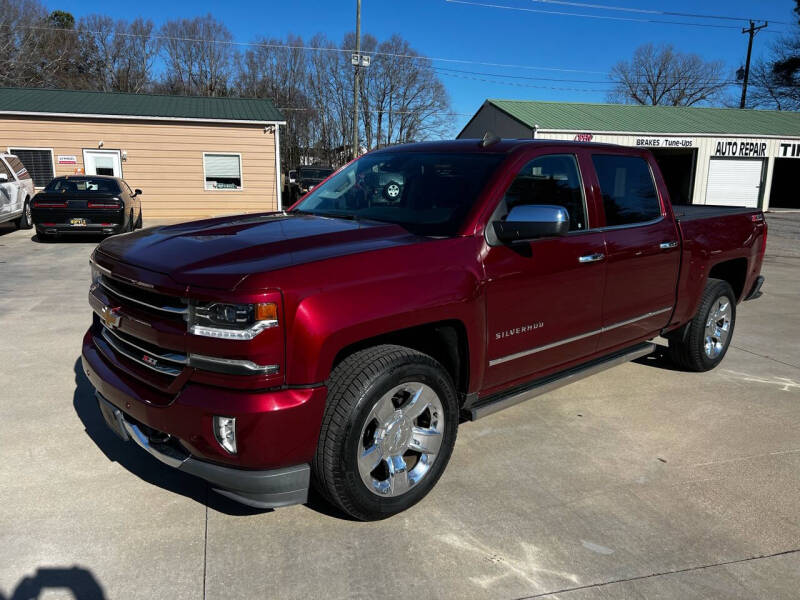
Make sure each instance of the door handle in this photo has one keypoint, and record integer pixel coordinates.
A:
(668, 245)
(591, 258)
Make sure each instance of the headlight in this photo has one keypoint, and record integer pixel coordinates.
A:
(233, 321)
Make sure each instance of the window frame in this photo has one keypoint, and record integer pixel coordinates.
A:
(599, 193)
(241, 172)
(52, 161)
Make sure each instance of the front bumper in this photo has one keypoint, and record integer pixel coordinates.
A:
(260, 489)
(277, 431)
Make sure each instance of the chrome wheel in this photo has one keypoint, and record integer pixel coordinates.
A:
(400, 439)
(718, 327)
(28, 216)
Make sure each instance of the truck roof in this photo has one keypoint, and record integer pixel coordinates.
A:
(504, 146)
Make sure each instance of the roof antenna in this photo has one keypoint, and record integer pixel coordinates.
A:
(489, 139)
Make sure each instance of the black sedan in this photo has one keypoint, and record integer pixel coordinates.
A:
(86, 204)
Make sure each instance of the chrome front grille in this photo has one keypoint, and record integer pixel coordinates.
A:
(147, 299)
(162, 361)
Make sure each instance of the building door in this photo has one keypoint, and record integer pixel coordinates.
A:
(102, 162)
(734, 181)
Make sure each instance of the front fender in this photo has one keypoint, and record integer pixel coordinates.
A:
(376, 302)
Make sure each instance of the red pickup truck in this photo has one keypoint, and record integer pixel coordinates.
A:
(342, 341)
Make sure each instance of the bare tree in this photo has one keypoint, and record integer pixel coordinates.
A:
(775, 82)
(118, 56)
(198, 56)
(19, 52)
(658, 75)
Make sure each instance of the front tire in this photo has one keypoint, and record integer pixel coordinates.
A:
(138, 221)
(388, 431)
(703, 342)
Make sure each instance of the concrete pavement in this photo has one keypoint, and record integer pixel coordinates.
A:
(641, 482)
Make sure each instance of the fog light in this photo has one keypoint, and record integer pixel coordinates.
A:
(225, 433)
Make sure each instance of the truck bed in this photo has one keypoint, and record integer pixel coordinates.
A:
(691, 212)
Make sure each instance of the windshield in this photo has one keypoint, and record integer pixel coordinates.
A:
(427, 193)
(99, 186)
(315, 173)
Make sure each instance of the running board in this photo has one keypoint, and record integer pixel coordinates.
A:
(498, 402)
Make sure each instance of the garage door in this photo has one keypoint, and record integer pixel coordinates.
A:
(734, 182)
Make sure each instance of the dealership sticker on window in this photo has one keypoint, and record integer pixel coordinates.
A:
(66, 159)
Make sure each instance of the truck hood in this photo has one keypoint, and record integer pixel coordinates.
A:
(221, 253)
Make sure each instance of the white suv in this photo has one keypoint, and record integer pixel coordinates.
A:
(16, 191)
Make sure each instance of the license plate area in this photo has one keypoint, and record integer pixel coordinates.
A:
(77, 222)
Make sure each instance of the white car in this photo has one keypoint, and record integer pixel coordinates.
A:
(16, 191)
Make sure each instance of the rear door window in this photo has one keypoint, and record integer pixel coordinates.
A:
(19, 168)
(629, 194)
(4, 169)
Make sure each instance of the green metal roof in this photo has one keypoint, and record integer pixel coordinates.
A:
(650, 119)
(74, 102)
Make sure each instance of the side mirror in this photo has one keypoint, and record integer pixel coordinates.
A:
(3, 177)
(137, 192)
(531, 221)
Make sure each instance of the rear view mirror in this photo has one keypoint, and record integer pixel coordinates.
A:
(531, 221)
(137, 192)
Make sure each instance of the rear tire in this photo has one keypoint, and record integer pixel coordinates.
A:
(701, 344)
(25, 221)
(388, 431)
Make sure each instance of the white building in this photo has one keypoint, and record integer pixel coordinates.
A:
(707, 155)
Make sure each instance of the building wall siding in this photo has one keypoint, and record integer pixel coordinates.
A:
(164, 159)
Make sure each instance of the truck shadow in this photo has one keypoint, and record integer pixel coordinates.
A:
(80, 582)
(69, 239)
(140, 463)
(659, 359)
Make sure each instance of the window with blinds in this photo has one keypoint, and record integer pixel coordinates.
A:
(39, 164)
(223, 171)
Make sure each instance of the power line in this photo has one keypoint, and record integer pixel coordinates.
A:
(318, 49)
(591, 16)
(591, 81)
(650, 11)
(563, 89)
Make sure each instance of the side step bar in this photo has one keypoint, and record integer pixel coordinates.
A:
(498, 402)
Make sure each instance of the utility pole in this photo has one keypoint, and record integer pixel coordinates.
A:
(355, 79)
(752, 30)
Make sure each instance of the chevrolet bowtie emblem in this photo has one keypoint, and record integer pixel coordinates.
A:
(110, 316)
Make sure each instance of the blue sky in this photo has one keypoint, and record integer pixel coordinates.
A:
(443, 29)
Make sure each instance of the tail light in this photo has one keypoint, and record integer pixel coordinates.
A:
(49, 204)
(112, 204)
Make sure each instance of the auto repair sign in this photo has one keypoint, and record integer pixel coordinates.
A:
(741, 148)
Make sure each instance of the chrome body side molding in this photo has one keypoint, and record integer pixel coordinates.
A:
(575, 338)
